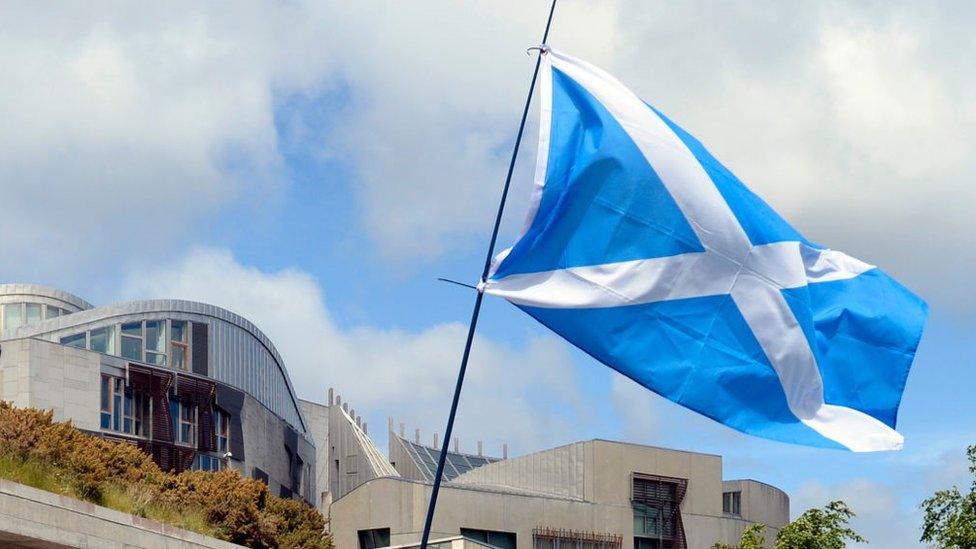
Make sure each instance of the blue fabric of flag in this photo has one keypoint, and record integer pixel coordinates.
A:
(604, 204)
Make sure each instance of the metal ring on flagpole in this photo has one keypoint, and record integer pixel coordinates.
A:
(543, 49)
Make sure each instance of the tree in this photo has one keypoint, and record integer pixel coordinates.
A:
(826, 528)
(754, 537)
(950, 516)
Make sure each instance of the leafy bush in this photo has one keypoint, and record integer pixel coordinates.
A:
(54, 456)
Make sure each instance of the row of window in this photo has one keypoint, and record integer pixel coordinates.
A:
(128, 411)
(142, 341)
(16, 315)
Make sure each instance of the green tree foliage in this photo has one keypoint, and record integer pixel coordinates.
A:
(754, 537)
(826, 528)
(950, 516)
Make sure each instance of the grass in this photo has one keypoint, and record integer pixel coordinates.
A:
(36, 474)
(131, 499)
(137, 501)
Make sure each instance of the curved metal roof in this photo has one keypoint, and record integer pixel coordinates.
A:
(92, 314)
(28, 290)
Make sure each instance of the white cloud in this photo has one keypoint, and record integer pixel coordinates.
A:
(853, 120)
(123, 124)
(439, 88)
(508, 391)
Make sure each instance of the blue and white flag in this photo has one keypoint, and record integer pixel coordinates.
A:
(644, 251)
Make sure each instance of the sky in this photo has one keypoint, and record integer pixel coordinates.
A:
(316, 166)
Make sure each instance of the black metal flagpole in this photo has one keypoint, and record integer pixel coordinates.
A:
(477, 302)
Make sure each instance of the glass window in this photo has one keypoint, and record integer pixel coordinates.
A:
(158, 359)
(33, 313)
(52, 312)
(132, 341)
(124, 410)
(76, 340)
(143, 414)
(732, 503)
(502, 540)
(106, 402)
(647, 520)
(117, 392)
(13, 315)
(127, 415)
(222, 423)
(184, 422)
(174, 416)
(206, 462)
(102, 340)
(156, 335)
(371, 539)
(179, 331)
(179, 349)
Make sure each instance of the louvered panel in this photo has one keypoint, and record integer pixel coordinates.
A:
(666, 495)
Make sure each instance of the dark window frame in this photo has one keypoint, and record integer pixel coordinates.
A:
(373, 538)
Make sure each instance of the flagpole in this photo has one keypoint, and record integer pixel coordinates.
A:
(477, 302)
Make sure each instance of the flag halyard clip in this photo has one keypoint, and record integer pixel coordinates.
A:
(543, 49)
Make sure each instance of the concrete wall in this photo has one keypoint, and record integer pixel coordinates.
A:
(610, 466)
(265, 436)
(353, 458)
(760, 503)
(48, 376)
(32, 518)
(401, 505)
(584, 486)
(317, 421)
(559, 472)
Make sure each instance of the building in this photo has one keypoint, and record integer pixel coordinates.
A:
(590, 494)
(194, 385)
(197, 386)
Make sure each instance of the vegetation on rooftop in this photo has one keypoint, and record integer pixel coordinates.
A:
(55, 456)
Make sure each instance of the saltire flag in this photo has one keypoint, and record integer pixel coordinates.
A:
(644, 251)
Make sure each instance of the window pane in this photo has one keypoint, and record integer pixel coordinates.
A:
(106, 420)
(12, 316)
(156, 358)
(131, 348)
(106, 398)
(33, 313)
(116, 408)
(174, 414)
(178, 352)
(132, 329)
(156, 335)
(103, 340)
(179, 331)
(52, 312)
(77, 340)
